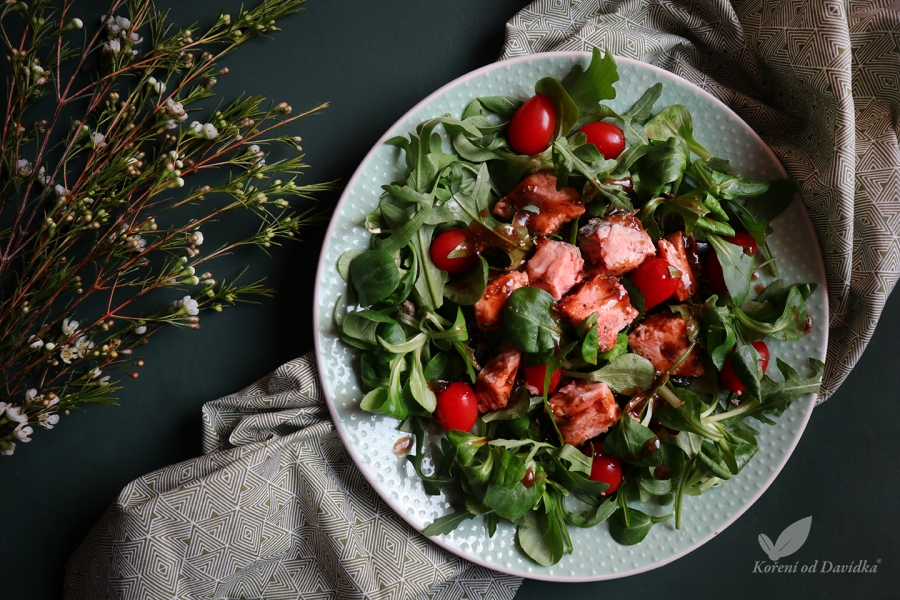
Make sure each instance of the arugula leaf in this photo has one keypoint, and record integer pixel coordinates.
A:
(588, 87)
(782, 317)
(737, 267)
(687, 416)
(599, 512)
(720, 336)
(503, 106)
(467, 289)
(661, 168)
(640, 111)
(716, 176)
(745, 362)
(522, 403)
(566, 111)
(625, 374)
(447, 523)
(633, 443)
(774, 201)
(675, 121)
(527, 323)
(777, 396)
(575, 155)
(573, 481)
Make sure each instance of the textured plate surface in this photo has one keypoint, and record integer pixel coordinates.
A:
(370, 438)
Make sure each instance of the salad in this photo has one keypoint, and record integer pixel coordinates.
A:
(561, 304)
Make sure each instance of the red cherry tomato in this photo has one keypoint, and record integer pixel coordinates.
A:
(729, 377)
(608, 138)
(446, 243)
(534, 377)
(533, 125)
(655, 281)
(457, 407)
(713, 269)
(604, 468)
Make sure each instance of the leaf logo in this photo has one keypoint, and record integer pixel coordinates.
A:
(790, 540)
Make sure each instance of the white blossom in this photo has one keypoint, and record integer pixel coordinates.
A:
(31, 395)
(83, 345)
(115, 24)
(7, 448)
(69, 327)
(176, 109)
(42, 177)
(35, 343)
(22, 432)
(23, 167)
(112, 46)
(68, 353)
(138, 243)
(196, 238)
(60, 190)
(132, 37)
(14, 413)
(189, 304)
(97, 139)
(197, 126)
(48, 420)
(210, 131)
(140, 329)
(49, 346)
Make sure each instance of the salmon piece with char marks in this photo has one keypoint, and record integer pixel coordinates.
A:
(498, 289)
(606, 297)
(662, 339)
(673, 250)
(539, 189)
(556, 267)
(583, 410)
(615, 244)
(494, 383)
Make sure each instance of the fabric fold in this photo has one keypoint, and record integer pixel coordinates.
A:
(275, 509)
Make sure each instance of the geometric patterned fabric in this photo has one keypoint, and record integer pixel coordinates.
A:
(275, 509)
(818, 81)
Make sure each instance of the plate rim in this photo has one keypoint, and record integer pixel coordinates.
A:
(329, 398)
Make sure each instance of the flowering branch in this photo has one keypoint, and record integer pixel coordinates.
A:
(98, 216)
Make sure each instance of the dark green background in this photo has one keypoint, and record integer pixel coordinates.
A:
(373, 61)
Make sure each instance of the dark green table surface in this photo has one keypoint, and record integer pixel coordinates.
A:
(373, 61)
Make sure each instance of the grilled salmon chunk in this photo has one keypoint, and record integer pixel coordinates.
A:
(539, 189)
(606, 297)
(583, 410)
(555, 267)
(615, 244)
(662, 339)
(487, 310)
(495, 381)
(672, 250)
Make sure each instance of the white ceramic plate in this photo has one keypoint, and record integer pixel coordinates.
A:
(370, 438)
